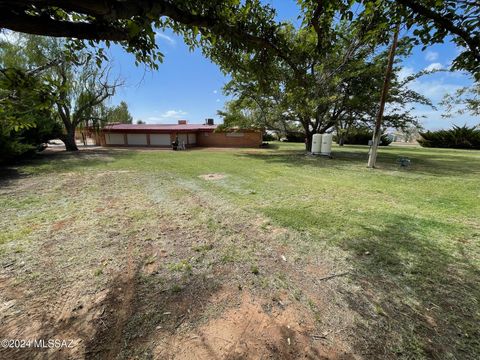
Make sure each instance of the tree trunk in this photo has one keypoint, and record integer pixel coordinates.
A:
(377, 132)
(308, 141)
(69, 140)
(341, 140)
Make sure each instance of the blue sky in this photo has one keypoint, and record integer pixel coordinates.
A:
(189, 86)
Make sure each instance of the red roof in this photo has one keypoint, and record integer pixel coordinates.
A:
(158, 127)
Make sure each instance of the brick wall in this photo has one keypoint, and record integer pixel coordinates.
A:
(225, 139)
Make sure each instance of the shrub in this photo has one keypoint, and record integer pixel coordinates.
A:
(15, 145)
(363, 136)
(293, 136)
(463, 137)
(268, 137)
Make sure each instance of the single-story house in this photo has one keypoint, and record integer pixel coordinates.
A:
(162, 135)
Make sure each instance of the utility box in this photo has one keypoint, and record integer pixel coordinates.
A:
(326, 148)
(316, 143)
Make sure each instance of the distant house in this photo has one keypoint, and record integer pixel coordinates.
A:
(160, 135)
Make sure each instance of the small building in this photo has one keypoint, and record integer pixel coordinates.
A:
(190, 135)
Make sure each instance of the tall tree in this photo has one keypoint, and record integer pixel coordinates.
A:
(429, 21)
(244, 24)
(333, 88)
(74, 86)
(119, 114)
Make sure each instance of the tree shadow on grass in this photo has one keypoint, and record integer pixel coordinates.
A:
(419, 295)
(56, 161)
(9, 175)
(428, 164)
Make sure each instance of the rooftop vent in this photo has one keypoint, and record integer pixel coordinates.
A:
(182, 122)
(209, 122)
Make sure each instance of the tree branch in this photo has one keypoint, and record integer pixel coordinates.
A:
(444, 22)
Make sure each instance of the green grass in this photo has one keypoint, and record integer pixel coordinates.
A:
(412, 235)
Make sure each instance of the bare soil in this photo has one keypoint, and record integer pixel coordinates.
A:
(212, 177)
(162, 271)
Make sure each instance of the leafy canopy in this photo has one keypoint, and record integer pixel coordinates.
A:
(244, 24)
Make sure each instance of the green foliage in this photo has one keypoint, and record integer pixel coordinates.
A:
(361, 136)
(25, 142)
(43, 76)
(119, 114)
(295, 136)
(464, 100)
(246, 25)
(429, 22)
(26, 116)
(311, 91)
(269, 137)
(459, 137)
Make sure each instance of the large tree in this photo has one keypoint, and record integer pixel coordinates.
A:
(74, 87)
(119, 114)
(320, 87)
(245, 24)
(428, 21)
(26, 118)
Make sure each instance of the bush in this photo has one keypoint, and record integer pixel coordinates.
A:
(463, 137)
(269, 137)
(363, 136)
(298, 137)
(15, 145)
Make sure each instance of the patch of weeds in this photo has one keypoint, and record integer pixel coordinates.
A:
(280, 281)
(175, 289)
(254, 270)
(265, 225)
(379, 310)
(202, 248)
(212, 225)
(17, 235)
(316, 313)
(264, 282)
(150, 260)
(98, 271)
(230, 255)
(181, 266)
(297, 294)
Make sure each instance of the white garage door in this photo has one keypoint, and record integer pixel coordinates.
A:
(160, 140)
(182, 138)
(115, 139)
(137, 139)
(192, 138)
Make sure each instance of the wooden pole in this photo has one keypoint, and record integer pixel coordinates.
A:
(377, 132)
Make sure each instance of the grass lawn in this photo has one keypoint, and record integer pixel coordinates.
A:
(234, 254)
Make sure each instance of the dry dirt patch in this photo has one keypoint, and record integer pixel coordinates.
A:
(250, 332)
(212, 177)
(157, 272)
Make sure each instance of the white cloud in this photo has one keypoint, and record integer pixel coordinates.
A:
(434, 66)
(172, 114)
(405, 72)
(166, 117)
(215, 91)
(154, 119)
(431, 56)
(218, 100)
(435, 90)
(168, 39)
